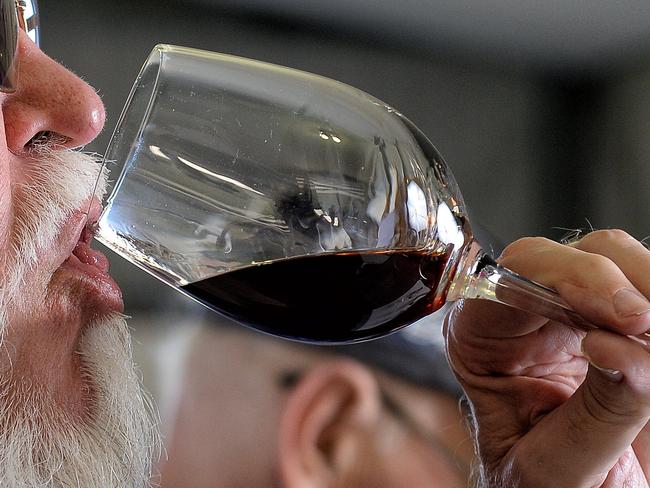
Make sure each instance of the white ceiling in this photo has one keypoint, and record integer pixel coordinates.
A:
(556, 33)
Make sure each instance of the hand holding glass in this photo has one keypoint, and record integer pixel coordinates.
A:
(294, 204)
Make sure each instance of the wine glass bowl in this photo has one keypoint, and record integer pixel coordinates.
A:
(231, 164)
(293, 203)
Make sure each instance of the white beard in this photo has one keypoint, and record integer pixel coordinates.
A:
(43, 446)
(41, 443)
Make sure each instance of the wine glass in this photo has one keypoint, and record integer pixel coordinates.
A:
(295, 204)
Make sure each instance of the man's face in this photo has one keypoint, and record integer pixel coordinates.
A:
(71, 410)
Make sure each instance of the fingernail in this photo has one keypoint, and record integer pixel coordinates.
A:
(613, 375)
(629, 302)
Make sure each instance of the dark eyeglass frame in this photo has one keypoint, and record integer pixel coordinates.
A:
(15, 15)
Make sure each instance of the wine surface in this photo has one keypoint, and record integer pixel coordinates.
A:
(329, 297)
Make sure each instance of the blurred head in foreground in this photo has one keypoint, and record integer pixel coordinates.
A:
(254, 411)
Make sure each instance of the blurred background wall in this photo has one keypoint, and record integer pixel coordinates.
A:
(541, 108)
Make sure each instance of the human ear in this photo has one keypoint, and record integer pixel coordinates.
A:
(324, 422)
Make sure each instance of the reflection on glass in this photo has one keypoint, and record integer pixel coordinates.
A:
(292, 203)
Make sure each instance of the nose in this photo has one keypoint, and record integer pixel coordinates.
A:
(49, 98)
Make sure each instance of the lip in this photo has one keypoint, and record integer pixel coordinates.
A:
(84, 263)
(72, 230)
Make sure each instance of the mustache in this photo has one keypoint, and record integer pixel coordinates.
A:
(56, 182)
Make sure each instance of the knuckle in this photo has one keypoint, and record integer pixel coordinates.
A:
(609, 409)
(605, 237)
(601, 410)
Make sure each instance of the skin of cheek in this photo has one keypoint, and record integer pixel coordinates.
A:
(390, 457)
(416, 465)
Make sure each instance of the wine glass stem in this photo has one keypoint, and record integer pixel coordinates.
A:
(482, 277)
(498, 284)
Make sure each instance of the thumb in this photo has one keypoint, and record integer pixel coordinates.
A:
(582, 440)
